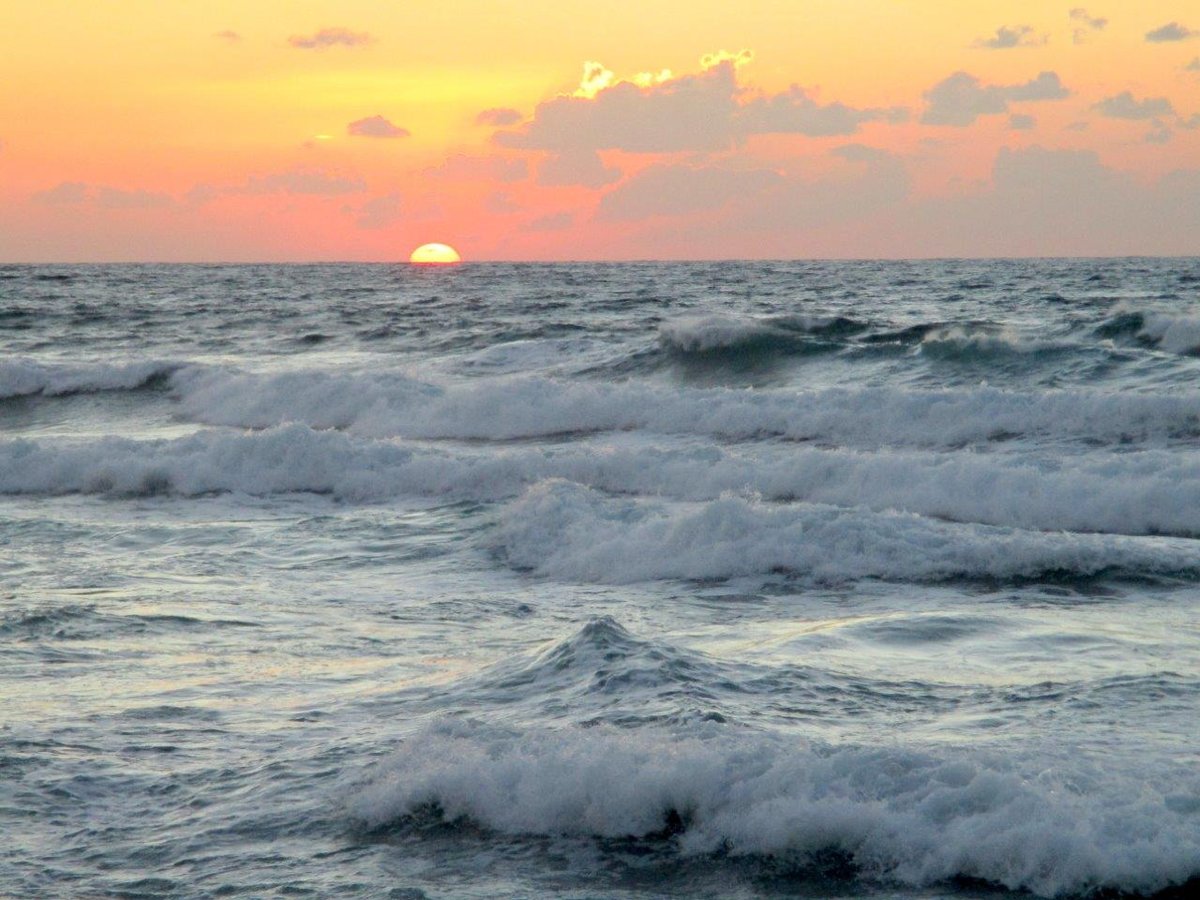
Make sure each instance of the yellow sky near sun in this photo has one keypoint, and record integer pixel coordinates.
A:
(144, 94)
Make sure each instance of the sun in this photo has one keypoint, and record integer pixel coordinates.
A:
(435, 255)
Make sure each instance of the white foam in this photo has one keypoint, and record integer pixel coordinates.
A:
(1175, 334)
(699, 334)
(562, 530)
(1146, 492)
(387, 404)
(1048, 823)
(20, 378)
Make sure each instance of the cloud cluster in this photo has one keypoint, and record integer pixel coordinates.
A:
(1006, 38)
(330, 37)
(961, 98)
(704, 112)
(1172, 31)
(376, 127)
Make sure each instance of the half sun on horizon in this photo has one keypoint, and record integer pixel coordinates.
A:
(435, 255)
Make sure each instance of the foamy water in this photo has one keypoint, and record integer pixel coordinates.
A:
(723, 580)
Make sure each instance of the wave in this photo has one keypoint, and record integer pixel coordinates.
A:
(1146, 492)
(564, 531)
(983, 343)
(1044, 821)
(23, 378)
(387, 404)
(714, 333)
(1172, 333)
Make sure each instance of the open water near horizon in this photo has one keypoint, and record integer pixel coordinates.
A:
(812, 579)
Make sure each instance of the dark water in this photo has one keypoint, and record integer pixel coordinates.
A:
(703, 580)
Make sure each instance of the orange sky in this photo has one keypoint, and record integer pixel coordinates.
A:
(160, 130)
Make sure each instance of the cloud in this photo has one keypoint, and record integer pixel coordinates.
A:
(576, 167)
(461, 167)
(117, 198)
(1007, 38)
(1190, 123)
(1021, 122)
(703, 112)
(679, 190)
(301, 181)
(380, 212)
(1124, 106)
(498, 117)
(560, 221)
(961, 98)
(75, 193)
(1160, 135)
(65, 193)
(230, 36)
(1086, 24)
(330, 37)
(1172, 31)
(1193, 66)
(376, 127)
(500, 203)
(689, 113)
(794, 112)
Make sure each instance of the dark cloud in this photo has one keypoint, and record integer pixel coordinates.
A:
(960, 99)
(1124, 106)
(1160, 135)
(678, 190)
(498, 117)
(1191, 122)
(576, 167)
(231, 36)
(301, 181)
(1193, 66)
(794, 112)
(330, 37)
(1085, 24)
(1021, 122)
(1172, 31)
(376, 127)
(1006, 38)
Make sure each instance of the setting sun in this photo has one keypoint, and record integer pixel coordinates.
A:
(435, 255)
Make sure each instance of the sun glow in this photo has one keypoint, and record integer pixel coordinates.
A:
(435, 255)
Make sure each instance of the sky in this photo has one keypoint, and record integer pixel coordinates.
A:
(295, 130)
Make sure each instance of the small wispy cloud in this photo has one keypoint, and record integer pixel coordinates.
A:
(376, 127)
(1172, 31)
(1193, 66)
(76, 193)
(1006, 38)
(1125, 106)
(228, 36)
(1021, 122)
(301, 181)
(1085, 24)
(330, 37)
(499, 117)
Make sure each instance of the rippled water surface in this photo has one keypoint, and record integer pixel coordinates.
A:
(640, 580)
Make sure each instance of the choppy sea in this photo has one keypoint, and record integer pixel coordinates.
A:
(813, 579)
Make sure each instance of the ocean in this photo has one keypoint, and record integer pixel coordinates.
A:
(742, 579)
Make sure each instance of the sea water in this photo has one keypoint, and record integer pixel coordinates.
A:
(871, 579)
